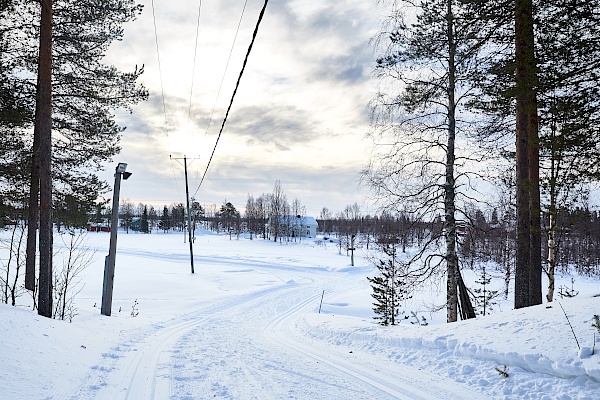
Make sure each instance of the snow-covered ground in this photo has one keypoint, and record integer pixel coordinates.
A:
(247, 325)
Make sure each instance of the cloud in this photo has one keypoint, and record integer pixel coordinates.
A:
(281, 127)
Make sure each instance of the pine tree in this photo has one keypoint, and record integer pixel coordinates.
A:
(165, 221)
(388, 287)
(144, 221)
(544, 77)
(80, 106)
(229, 216)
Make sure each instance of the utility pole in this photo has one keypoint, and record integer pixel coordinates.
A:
(352, 250)
(189, 215)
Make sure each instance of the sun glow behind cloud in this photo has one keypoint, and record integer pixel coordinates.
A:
(300, 113)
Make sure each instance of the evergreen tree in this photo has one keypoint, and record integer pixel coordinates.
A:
(165, 221)
(197, 213)
(144, 221)
(229, 216)
(127, 209)
(484, 297)
(98, 217)
(80, 104)
(388, 287)
(85, 91)
(152, 218)
(542, 85)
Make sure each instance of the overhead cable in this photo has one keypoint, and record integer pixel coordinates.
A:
(260, 17)
(226, 67)
(162, 91)
(194, 63)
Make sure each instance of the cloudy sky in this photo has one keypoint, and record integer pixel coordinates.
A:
(300, 114)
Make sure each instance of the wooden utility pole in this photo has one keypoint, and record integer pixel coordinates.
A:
(189, 215)
(352, 248)
(44, 123)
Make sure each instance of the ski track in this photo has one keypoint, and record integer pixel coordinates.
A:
(248, 347)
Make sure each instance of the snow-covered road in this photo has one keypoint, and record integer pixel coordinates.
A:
(249, 347)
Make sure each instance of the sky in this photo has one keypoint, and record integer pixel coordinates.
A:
(300, 114)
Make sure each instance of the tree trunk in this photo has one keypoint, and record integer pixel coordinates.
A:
(528, 262)
(45, 127)
(33, 211)
(535, 243)
(449, 185)
(552, 211)
(466, 307)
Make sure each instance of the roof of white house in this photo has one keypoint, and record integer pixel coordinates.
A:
(307, 221)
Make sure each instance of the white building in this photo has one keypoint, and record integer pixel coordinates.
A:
(295, 226)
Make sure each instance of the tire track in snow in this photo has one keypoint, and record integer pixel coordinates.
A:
(136, 371)
(411, 384)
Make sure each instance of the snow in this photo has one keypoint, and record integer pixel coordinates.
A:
(247, 325)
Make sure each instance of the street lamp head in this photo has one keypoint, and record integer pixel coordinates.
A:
(121, 167)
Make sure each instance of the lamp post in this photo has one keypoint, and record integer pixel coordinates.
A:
(109, 261)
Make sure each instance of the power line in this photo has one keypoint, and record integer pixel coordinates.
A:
(226, 66)
(162, 91)
(260, 17)
(194, 63)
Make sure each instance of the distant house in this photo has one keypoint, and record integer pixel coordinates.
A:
(294, 226)
(98, 227)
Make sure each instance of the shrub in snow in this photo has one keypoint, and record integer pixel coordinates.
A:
(422, 321)
(134, 309)
(66, 284)
(564, 291)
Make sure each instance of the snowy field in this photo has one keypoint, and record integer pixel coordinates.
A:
(247, 325)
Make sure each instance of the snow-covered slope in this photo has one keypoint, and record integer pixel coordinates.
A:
(247, 325)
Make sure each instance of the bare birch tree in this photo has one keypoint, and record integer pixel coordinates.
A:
(429, 52)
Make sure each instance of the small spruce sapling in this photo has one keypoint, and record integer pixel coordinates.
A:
(388, 287)
(485, 297)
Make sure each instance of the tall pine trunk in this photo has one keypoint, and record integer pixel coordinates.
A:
(33, 211)
(44, 119)
(528, 257)
(552, 215)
